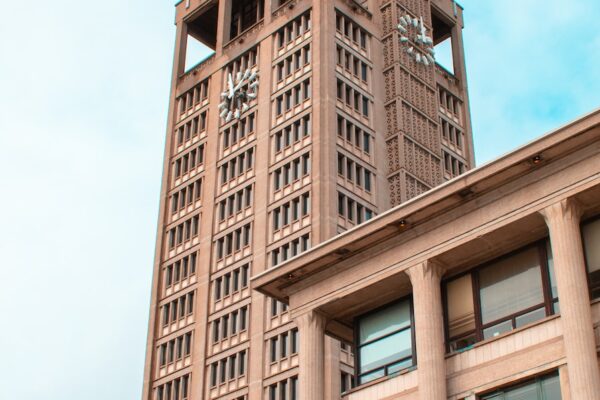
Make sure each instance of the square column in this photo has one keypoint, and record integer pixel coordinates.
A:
(311, 329)
(563, 220)
(429, 330)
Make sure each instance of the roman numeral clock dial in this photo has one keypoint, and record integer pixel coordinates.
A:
(240, 91)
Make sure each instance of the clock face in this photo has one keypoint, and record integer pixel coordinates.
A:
(241, 90)
(421, 49)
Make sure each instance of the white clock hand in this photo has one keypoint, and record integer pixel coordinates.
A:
(231, 88)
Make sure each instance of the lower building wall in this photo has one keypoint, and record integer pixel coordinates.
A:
(510, 358)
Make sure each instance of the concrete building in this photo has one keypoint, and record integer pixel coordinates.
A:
(487, 287)
(311, 118)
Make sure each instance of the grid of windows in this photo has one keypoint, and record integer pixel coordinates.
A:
(290, 249)
(184, 231)
(178, 309)
(452, 165)
(247, 60)
(235, 203)
(294, 29)
(352, 210)
(186, 196)
(238, 130)
(283, 345)
(293, 97)
(180, 270)
(291, 211)
(230, 324)
(354, 172)
(237, 166)
(286, 389)
(292, 134)
(193, 97)
(451, 133)
(291, 171)
(228, 368)
(353, 98)
(352, 31)
(352, 64)
(189, 161)
(449, 103)
(231, 282)
(192, 128)
(293, 63)
(500, 296)
(277, 307)
(175, 349)
(353, 134)
(177, 389)
(234, 241)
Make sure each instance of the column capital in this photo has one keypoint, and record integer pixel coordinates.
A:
(567, 209)
(426, 270)
(312, 318)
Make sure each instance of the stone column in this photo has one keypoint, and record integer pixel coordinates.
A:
(563, 220)
(429, 330)
(311, 329)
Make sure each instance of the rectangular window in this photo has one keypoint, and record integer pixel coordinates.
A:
(544, 388)
(500, 296)
(385, 341)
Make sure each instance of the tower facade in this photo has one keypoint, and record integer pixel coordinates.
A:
(310, 118)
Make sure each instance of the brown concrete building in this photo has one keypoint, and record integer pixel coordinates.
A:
(487, 287)
(310, 118)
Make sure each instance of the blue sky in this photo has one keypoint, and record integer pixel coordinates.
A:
(82, 123)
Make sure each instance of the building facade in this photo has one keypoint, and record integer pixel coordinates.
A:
(310, 118)
(486, 287)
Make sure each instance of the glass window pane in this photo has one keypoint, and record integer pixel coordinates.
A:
(511, 285)
(527, 392)
(591, 242)
(386, 351)
(400, 366)
(498, 329)
(551, 388)
(383, 322)
(532, 316)
(461, 310)
(371, 376)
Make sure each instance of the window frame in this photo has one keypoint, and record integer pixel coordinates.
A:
(547, 304)
(357, 346)
(583, 223)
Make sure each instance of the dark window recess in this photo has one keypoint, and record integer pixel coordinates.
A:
(543, 388)
(244, 14)
(591, 243)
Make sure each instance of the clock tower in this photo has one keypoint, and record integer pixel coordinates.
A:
(309, 118)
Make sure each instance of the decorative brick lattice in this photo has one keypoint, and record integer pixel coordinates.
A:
(391, 118)
(422, 163)
(395, 183)
(389, 77)
(414, 187)
(393, 155)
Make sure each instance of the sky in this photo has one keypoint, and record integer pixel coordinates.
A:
(83, 104)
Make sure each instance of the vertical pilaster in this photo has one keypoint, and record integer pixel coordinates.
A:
(563, 220)
(311, 329)
(429, 330)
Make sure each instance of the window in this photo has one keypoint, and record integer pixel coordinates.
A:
(385, 341)
(545, 388)
(497, 297)
(591, 244)
(244, 14)
(286, 389)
